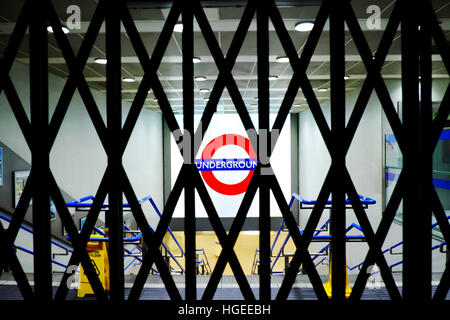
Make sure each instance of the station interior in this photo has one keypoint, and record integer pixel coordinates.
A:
(227, 70)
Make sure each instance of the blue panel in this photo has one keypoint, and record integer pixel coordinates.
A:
(445, 135)
(441, 184)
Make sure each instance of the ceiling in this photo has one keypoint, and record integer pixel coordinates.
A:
(150, 18)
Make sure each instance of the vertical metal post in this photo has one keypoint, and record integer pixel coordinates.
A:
(417, 161)
(188, 149)
(40, 151)
(264, 148)
(337, 219)
(114, 216)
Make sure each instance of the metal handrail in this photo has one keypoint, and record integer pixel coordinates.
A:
(439, 245)
(295, 196)
(168, 228)
(204, 261)
(31, 231)
(136, 237)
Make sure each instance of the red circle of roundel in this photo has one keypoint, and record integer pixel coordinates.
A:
(208, 152)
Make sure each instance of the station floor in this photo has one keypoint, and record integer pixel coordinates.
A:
(227, 289)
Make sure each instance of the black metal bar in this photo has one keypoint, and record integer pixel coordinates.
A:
(114, 217)
(188, 149)
(14, 42)
(444, 285)
(426, 146)
(222, 236)
(264, 147)
(72, 231)
(150, 66)
(153, 247)
(439, 213)
(156, 240)
(299, 65)
(380, 236)
(373, 79)
(416, 231)
(439, 37)
(39, 152)
(370, 236)
(301, 244)
(373, 66)
(225, 65)
(233, 234)
(76, 65)
(8, 256)
(441, 118)
(337, 215)
(85, 234)
(311, 226)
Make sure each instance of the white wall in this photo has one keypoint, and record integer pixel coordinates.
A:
(364, 161)
(77, 159)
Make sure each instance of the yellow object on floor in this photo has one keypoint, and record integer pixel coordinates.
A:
(327, 286)
(99, 258)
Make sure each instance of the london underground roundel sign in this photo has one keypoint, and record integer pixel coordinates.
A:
(207, 164)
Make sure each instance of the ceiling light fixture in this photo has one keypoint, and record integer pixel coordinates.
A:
(204, 90)
(100, 60)
(322, 89)
(304, 26)
(272, 78)
(282, 59)
(128, 79)
(346, 77)
(178, 27)
(196, 59)
(200, 78)
(63, 28)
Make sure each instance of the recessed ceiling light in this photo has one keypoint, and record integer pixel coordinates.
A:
(272, 78)
(200, 78)
(155, 100)
(100, 60)
(253, 105)
(196, 59)
(322, 89)
(178, 27)
(346, 77)
(128, 79)
(204, 90)
(63, 28)
(206, 99)
(255, 98)
(304, 26)
(282, 59)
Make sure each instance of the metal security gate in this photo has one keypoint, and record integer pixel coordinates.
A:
(417, 134)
